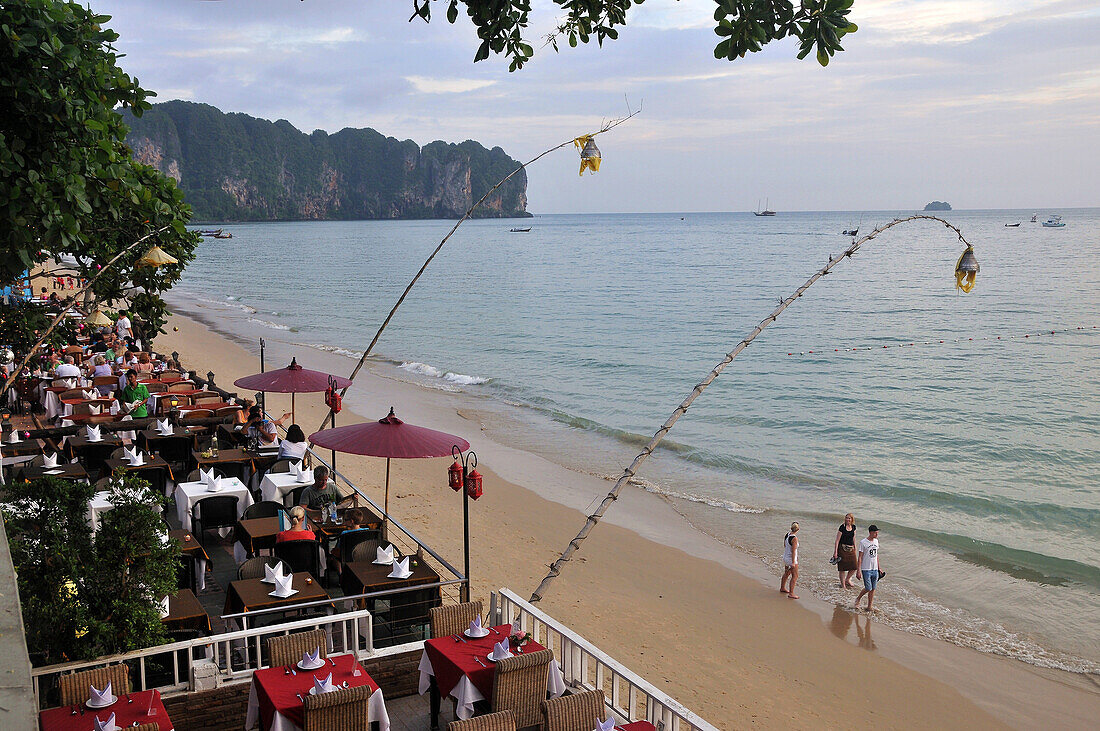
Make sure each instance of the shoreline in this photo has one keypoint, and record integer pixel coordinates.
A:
(791, 654)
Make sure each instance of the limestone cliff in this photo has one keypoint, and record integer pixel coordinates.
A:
(233, 167)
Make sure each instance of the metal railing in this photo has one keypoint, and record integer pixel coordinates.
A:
(586, 667)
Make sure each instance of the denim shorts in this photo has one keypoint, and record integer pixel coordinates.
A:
(870, 580)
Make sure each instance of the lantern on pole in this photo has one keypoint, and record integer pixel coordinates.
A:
(590, 154)
(966, 270)
(473, 485)
(157, 257)
(454, 476)
(463, 474)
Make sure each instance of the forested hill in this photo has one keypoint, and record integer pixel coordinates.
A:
(233, 167)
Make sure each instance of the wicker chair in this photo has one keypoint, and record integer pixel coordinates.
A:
(253, 568)
(288, 649)
(74, 687)
(338, 710)
(451, 620)
(366, 551)
(577, 712)
(519, 685)
(152, 726)
(502, 721)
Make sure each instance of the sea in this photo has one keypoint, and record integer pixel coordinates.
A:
(966, 426)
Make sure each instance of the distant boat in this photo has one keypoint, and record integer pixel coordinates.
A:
(766, 212)
(210, 232)
(1034, 217)
(1012, 225)
(849, 232)
(520, 230)
(1054, 222)
(221, 235)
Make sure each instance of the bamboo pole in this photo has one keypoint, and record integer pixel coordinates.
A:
(632, 469)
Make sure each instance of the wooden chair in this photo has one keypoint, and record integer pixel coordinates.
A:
(339, 710)
(74, 687)
(226, 411)
(288, 649)
(576, 712)
(169, 376)
(519, 685)
(181, 386)
(198, 398)
(152, 726)
(71, 393)
(502, 721)
(196, 414)
(454, 619)
(156, 387)
(263, 509)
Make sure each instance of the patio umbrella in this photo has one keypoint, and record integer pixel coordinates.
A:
(98, 319)
(292, 379)
(390, 438)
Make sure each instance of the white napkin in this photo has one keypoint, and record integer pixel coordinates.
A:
(284, 586)
(213, 483)
(94, 410)
(296, 472)
(385, 555)
(608, 725)
(323, 686)
(108, 725)
(164, 607)
(13, 438)
(310, 659)
(93, 433)
(271, 574)
(135, 457)
(476, 630)
(49, 461)
(89, 395)
(400, 569)
(500, 650)
(100, 697)
(164, 427)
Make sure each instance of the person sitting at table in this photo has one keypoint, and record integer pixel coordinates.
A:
(297, 530)
(293, 445)
(321, 492)
(102, 368)
(68, 369)
(144, 364)
(240, 418)
(353, 523)
(262, 428)
(135, 396)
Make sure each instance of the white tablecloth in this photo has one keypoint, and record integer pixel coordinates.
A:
(467, 694)
(188, 493)
(277, 485)
(376, 710)
(99, 504)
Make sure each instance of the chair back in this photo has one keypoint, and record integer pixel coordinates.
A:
(105, 381)
(204, 396)
(364, 551)
(152, 726)
(118, 453)
(347, 709)
(281, 465)
(576, 712)
(197, 414)
(253, 568)
(499, 721)
(348, 541)
(519, 685)
(185, 573)
(263, 509)
(74, 687)
(72, 393)
(454, 618)
(226, 411)
(169, 376)
(288, 649)
(181, 386)
(217, 511)
(194, 476)
(156, 387)
(300, 555)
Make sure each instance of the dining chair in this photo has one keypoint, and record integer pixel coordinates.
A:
(151, 726)
(281, 465)
(226, 411)
(288, 649)
(205, 396)
(454, 618)
(197, 414)
(301, 555)
(185, 573)
(156, 387)
(576, 712)
(218, 511)
(263, 509)
(253, 568)
(366, 551)
(519, 685)
(74, 687)
(195, 475)
(181, 386)
(347, 709)
(71, 394)
(500, 721)
(348, 540)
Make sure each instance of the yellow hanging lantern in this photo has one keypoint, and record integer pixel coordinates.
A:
(157, 257)
(966, 270)
(590, 154)
(98, 319)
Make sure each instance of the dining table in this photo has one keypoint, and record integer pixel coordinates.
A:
(153, 468)
(175, 446)
(275, 698)
(189, 493)
(193, 550)
(230, 462)
(130, 709)
(254, 535)
(250, 595)
(462, 670)
(64, 471)
(277, 485)
(186, 612)
(93, 453)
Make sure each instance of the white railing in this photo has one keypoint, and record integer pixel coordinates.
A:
(230, 657)
(586, 667)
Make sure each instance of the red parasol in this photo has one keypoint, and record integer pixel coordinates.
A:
(390, 438)
(292, 379)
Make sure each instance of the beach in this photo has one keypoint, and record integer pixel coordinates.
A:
(696, 618)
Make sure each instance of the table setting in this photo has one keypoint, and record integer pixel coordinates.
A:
(277, 485)
(104, 711)
(188, 493)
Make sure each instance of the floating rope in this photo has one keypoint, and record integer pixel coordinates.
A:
(915, 343)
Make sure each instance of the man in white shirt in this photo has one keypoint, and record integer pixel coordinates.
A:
(869, 566)
(123, 326)
(68, 369)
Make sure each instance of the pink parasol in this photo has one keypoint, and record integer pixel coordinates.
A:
(390, 438)
(292, 379)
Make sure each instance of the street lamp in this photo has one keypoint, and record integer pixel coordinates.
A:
(463, 475)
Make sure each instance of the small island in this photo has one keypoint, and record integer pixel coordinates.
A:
(938, 206)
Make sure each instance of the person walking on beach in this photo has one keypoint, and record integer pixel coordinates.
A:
(790, 562)
(844, 552)
(869, 566)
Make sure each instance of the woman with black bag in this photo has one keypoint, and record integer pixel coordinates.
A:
(844, 552)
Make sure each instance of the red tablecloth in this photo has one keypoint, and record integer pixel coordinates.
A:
(277, 691)
(638, 726)
(62, 719)
(451, 660)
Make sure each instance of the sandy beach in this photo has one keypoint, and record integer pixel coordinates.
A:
(691, 615)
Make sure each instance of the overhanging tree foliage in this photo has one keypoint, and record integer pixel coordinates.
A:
(745, 26)
(69, 187)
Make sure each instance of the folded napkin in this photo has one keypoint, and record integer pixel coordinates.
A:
(108, 725)
(385, 555)
(284, 586)
(296, 472)
(323, 686)
(90, 395)
(400, 569)
(93, 433)
(164, 427)
(164, 610)
(133, 456)
(94, 410)
(500, 650)
(212, 482)
(13, 438)
(476, 630)
(271, 574)
(49, 461)
(310, 659)
(607, 725)
(100, 697)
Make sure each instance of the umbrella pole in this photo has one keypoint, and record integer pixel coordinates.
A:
(292, 419)
(334, 451)
(386, 517)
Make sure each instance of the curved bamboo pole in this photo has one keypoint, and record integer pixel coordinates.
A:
(465, 216)
(632, 469)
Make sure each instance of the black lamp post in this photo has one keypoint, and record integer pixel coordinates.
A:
(463, 475)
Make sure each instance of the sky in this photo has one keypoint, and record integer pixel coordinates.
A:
(982, 103)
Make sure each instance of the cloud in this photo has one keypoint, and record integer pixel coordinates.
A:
(427, 85)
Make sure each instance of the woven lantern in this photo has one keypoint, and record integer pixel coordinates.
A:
(98, 319)
(157, 257)
(966, 270)
(590, 154)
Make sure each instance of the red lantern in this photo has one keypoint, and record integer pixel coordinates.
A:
(473, 484)
(454, 476)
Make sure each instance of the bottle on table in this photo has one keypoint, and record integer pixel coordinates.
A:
(214, 446)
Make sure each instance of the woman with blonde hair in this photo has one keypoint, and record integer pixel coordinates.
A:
(844, 552)
(790, 562)
(297, 530)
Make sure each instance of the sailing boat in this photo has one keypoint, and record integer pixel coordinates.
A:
(766, 212)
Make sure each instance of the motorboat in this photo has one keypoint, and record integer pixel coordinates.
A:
(1012, 225)
(1054, 222)
(520, 230)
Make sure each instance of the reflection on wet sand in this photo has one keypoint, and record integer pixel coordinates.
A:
(841, 625)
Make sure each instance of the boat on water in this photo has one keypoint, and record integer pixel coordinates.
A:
(520, 230)
(766, 212)
(1054, 222)
(221, 235)
(1034, 217)
(209, 231)
(849, 232)
(1012, 225)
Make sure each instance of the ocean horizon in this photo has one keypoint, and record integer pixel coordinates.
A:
(961, 424)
